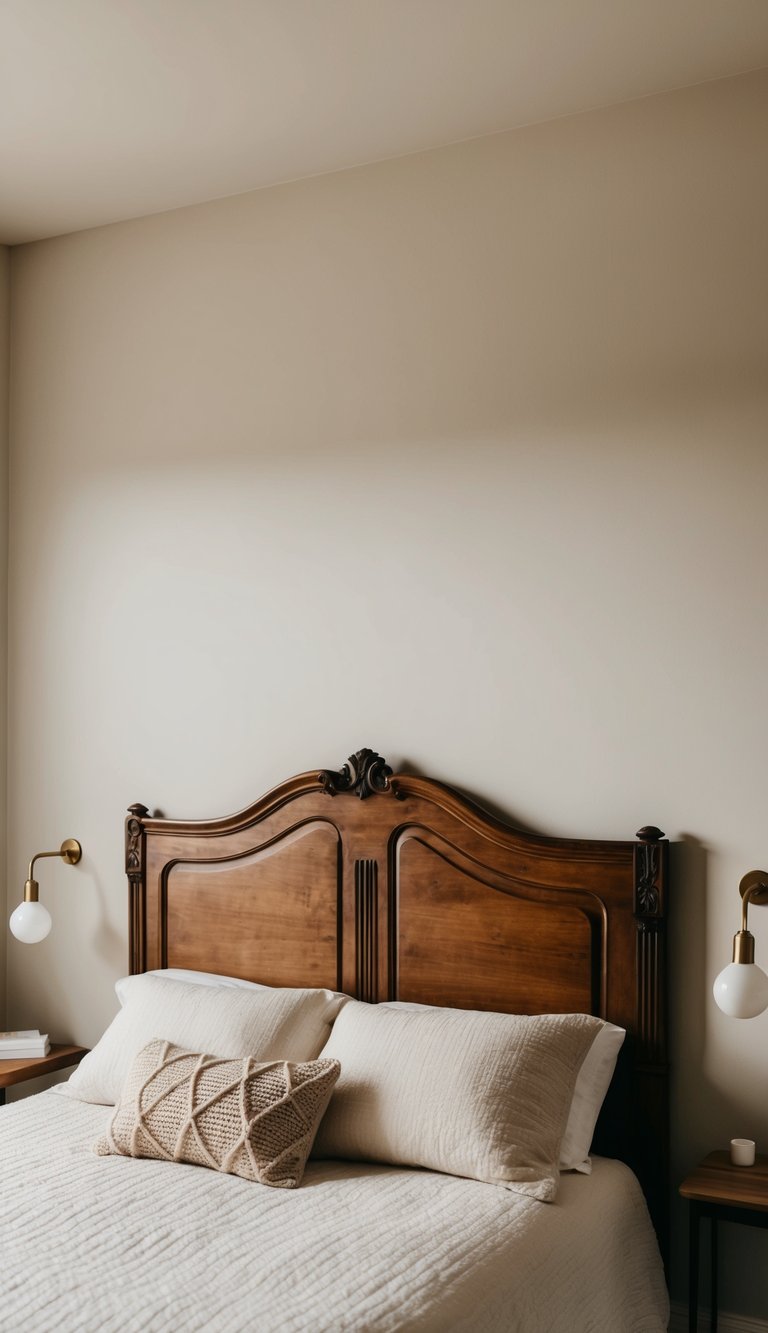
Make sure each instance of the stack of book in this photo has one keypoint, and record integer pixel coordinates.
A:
(23, 1045)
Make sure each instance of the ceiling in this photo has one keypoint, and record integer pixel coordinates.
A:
(112, 109)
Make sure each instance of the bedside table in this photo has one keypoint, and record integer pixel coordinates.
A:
(18, 1071)
(724, 1193)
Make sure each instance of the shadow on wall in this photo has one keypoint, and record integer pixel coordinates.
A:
(105, 941)
(688, 985)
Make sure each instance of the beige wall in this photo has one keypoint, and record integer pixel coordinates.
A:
(5, 351)
(461, 456)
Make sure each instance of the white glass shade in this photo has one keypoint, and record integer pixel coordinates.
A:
(30, 922)
(741, 990)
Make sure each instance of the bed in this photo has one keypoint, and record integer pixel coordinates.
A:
(386, 888)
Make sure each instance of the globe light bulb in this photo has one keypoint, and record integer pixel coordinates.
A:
(741, 990)
(30, 922)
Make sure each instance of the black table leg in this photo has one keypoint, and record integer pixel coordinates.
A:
(693, 1267)
(2, 1096)
(713, 1277)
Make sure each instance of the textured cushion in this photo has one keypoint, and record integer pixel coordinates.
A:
(267, 1024)
(588, 1096)
(592, 1084)
(481, 1095)
(238, 1116)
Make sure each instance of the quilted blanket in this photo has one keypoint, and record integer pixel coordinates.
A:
(111, 1244)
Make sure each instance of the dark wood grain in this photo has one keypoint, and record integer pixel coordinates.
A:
(291, 888)
(59, 1057)
(396, 886)
(467, 938)
(717, 1180)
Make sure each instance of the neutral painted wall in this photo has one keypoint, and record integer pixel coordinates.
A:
(5, 352)
(461, 456)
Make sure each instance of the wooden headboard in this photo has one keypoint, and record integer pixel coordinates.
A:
(398, 887)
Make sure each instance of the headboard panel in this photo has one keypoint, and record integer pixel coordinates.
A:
(400, 887)
(272, 886)
(466, 937)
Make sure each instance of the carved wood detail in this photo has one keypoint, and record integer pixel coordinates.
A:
(134, 869)
(649, 1087)
(364, 773)
(650, 868)
(366, 930)
(648, 888)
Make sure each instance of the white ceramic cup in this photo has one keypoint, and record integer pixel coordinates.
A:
(743, 1152)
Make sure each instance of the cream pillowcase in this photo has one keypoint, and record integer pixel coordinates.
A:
(122, 986)
(588, 1096)
(592, 1083)
(245, 1118)
(481, 1095)
(225, 1021)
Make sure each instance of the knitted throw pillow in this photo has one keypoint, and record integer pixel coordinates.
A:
(247, 1118)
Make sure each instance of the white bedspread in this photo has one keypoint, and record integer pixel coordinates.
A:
(117, 1246)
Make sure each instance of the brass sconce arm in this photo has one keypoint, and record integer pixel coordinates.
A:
(69, 851)
(753, 889)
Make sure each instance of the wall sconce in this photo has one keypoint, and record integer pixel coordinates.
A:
(741, 989)
(30, 922)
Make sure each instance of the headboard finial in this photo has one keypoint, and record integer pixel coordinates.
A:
(364, 773)
(649, 833)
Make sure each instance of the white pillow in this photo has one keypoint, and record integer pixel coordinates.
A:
(592, 1084)
(481, 1095)
(588, 1096)
(269, 1024)
(192, 978)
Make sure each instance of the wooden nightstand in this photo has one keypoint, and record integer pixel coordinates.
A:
(723, 1193)
(18, 1071)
